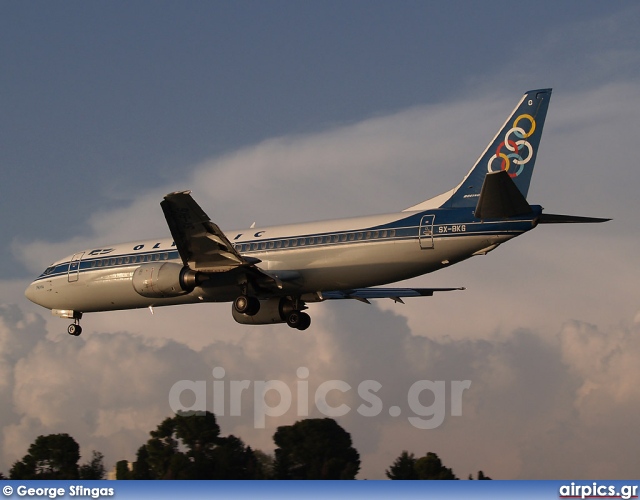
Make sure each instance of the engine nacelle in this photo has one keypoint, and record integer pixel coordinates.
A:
(271, 311)
(157, 280)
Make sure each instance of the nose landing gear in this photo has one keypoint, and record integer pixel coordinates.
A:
(74, 328)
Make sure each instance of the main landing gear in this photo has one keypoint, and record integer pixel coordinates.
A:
(275, 310)
(299, 320)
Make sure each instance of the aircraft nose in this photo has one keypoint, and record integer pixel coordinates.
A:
(32, 293)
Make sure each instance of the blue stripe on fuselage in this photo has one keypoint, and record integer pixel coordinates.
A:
(448, 223)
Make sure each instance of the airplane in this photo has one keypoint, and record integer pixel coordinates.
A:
(270, 274)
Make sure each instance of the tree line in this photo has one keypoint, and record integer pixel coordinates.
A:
(189, 446)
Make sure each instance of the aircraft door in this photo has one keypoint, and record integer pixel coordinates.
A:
(426, 231)
(74, 267)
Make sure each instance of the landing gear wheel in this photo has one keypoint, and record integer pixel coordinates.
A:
(246, 305)
(298, 320)
(305, 321)
(74, 329)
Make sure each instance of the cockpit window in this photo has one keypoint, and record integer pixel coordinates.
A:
(49, 270)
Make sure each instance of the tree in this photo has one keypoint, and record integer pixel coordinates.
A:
(404, 467)
(50, 457)
(266, 465)
(198, 432)
(94, 469)
(122, 470)
(163, 457)
(233, 459)
(189, 447)
(481, 476)
(430, 467)
(315, 449)
(141, 468)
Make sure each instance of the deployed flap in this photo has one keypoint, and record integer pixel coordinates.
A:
(201, 243)
(500, 198)
(364, 294)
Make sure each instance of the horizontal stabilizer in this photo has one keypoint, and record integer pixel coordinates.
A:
(568, 219)
(364, 294)
(500, 198)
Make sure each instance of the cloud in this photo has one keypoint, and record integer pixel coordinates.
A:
(544, 380)
(374, 166)
(539, 406)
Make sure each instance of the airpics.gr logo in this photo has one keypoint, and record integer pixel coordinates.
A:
(512, 151)
(228, 397)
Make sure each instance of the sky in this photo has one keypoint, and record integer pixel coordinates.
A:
(282, 111)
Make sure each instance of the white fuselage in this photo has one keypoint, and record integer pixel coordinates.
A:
(307, 258)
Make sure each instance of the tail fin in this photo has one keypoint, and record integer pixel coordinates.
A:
(513, 149)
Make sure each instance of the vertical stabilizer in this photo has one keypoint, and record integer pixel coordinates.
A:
(513, 149)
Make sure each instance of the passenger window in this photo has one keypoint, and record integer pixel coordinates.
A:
(375, 234)
(276, 244)
(383, 234)
(392, 233)
(352, 237)
(334, 238)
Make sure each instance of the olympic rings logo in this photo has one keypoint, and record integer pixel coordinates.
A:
(517, 152)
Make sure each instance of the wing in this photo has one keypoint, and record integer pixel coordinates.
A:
(395, 294)
(200, 242)
(204, 247)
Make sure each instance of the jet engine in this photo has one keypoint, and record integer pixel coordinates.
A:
(274, 310)
(160, 280)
